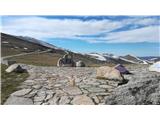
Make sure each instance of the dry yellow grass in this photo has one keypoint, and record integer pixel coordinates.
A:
(44, 59)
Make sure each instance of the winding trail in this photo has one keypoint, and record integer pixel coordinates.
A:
(4, 61)
(53, 85)
(6, 57)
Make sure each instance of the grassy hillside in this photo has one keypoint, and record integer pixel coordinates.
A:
(51, 58)
(12, 45)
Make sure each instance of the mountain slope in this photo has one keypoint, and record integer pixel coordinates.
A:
(134, 59)
(12, 45)
(36, 41)
(110, 58)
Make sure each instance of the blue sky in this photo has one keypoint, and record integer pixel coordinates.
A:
(120, 35)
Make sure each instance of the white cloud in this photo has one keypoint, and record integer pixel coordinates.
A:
(146, 34)
(145, 21)
(43, 28)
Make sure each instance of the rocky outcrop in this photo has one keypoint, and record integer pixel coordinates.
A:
(66, 61)
(140, 92)
(106, 72)
(15, 68)
(51, 86)
(80, 64)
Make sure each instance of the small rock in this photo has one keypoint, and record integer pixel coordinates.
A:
(15, 68)
(60, 93)
(31, 94)
(13, 100)
(21, 92)
(45, 103)
(37, 86)
(82, 100)
(64, 100)
(57, 85)
(106, 86)
(103, 94)
(49, 96)
(95, 89)
(80, 64)
(39, 98)
(96, 100)
(84, 91)
(37, 103)
(73, 90)
(54, 100)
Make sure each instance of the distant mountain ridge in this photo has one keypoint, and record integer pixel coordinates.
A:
(33, 40)
(13, 45)
(21, 44)
(126, 59)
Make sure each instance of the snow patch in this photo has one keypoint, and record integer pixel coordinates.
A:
(97, 56)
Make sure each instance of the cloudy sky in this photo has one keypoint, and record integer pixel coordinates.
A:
(120, 35)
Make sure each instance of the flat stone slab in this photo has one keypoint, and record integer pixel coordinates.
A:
(106, 86)
(95, 89)
(64, 100)
(21, 92)
(73, 90)
(37, 86)
(13, 100)
(82, 100)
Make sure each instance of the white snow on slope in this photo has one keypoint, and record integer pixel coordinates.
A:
(97, 56)
(128, 60)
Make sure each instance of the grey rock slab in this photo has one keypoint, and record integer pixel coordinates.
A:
(31, 94)
(103, 94)
(95, 89)
(82, 100)
(54, 100)
(85, 85)
(64, 100)
(60, 92)
(84, 91)
(57, 85)
(49, 96)
(37, 86)
(21, 92)
(29, 81)
(106, 86)
(37, 103)
(39, 98)
(14, 67)
(138, 92)
(45, 103)
(13, 100)
(41, 93)
(72, 90)
(96, 100)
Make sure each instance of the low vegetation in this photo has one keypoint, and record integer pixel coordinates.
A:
(44, 59)
(50, 59)
(10, 82)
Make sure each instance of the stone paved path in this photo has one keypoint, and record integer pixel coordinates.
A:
(51, 86)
